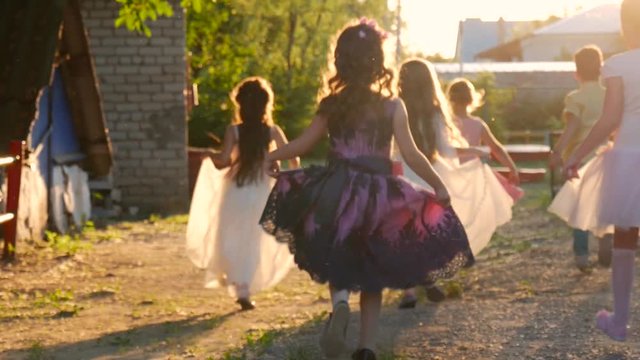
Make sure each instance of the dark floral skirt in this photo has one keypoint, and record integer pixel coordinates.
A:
(355, 225)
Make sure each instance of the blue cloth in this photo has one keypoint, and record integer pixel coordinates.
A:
(64, 146)
(580, 242)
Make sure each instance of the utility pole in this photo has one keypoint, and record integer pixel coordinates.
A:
(459, 47)
(398, 31)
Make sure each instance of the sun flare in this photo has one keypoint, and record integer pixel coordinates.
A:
(432, 27)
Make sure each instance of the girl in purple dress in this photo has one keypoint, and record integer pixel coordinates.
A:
(352, 223)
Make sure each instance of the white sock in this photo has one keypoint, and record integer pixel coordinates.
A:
(338, 296)
(242, 291)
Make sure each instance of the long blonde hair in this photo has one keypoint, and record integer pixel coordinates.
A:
(422, 94)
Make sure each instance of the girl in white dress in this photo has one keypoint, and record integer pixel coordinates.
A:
(465, 99)
(223, 234)
(477, 197)
(611, 186)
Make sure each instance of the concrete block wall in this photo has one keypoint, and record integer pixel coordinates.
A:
(142, 81)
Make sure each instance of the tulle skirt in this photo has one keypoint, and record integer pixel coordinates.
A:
(477, 196)
(355, 225)
(224, 237)
(606, 194)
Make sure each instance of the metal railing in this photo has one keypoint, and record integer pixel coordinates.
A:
(9, 219)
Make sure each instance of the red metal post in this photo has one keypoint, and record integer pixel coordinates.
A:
(14, 172)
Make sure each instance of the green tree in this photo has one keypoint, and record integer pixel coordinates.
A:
(496, 103)
(286, 42)
(134, 14)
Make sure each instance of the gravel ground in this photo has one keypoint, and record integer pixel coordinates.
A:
(128, 292)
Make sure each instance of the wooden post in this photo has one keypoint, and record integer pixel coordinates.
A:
(14, 172)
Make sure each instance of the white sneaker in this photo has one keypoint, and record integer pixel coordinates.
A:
(333, 340)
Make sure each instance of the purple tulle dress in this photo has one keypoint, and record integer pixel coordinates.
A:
(354, 224)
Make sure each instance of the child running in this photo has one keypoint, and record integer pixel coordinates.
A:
(464, 100)
(223, 234)
(476, 194)
(352, 223)
(609, 182)
(583, 108)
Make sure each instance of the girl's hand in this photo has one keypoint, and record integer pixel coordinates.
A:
(270, 167)
(482, 153)
(571, 168)
(442, 196)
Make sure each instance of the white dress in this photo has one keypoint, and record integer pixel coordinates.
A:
(478, 198)
(224, 237)
(607, 193)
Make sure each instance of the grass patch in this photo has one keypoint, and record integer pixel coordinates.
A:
(66, 244)
(36, 352)
(62, 300)
(55, 298)
(257, 341)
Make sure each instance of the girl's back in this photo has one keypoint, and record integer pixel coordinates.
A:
(625, 65)
(252, 143)
(366, 130)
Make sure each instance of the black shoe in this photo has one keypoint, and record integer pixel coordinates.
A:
(408, 302)
(363, 354)
(435, 294)
(246, 304)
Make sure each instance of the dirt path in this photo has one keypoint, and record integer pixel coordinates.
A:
(133, 295)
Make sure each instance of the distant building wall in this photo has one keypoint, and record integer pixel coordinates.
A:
(530, 85)
(142, 81)
(562, 47)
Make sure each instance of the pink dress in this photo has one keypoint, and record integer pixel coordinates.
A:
(471, 129)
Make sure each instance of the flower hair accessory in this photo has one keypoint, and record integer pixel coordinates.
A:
(374, 26)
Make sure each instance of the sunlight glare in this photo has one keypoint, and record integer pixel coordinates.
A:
(432, 27)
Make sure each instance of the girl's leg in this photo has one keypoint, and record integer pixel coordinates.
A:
(605, 244)
(581, 248)
(370, 304)
(242, 291)
(333, 339)
(625, 242)
(338, 296)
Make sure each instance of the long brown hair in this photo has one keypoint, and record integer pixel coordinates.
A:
(360, 74)
(253, 100)
(422, 94)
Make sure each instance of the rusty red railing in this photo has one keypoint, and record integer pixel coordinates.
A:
(9, 219)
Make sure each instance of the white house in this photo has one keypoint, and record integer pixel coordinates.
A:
(557, 42)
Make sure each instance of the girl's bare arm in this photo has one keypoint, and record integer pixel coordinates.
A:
(281, 140)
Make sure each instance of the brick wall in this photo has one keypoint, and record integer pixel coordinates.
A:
(142, 82)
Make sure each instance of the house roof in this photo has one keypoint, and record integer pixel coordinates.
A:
(603, 19)
(475, 35)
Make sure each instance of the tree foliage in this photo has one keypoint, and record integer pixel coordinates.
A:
(134, 14)
(286, 42)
